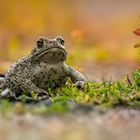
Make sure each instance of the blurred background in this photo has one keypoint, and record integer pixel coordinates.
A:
(98, 33)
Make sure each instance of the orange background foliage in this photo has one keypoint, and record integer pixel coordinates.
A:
(95, 30)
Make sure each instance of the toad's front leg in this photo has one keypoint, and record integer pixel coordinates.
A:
(77, 78)
(29, 87)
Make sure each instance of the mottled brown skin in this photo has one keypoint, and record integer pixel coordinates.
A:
(42, 69)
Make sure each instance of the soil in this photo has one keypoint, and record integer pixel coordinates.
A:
(112, 124)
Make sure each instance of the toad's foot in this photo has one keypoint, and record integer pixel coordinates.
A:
(5, 93)
(79, 84)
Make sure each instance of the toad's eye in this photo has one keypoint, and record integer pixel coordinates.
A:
(40, 43)
(60, 40)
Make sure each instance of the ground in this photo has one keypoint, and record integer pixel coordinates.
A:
(117, 124)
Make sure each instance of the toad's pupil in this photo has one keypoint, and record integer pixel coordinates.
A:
(62, 42)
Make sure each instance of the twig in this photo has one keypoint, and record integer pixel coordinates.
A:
(128, 80)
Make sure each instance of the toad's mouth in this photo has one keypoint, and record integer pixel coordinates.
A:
(51, 54)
